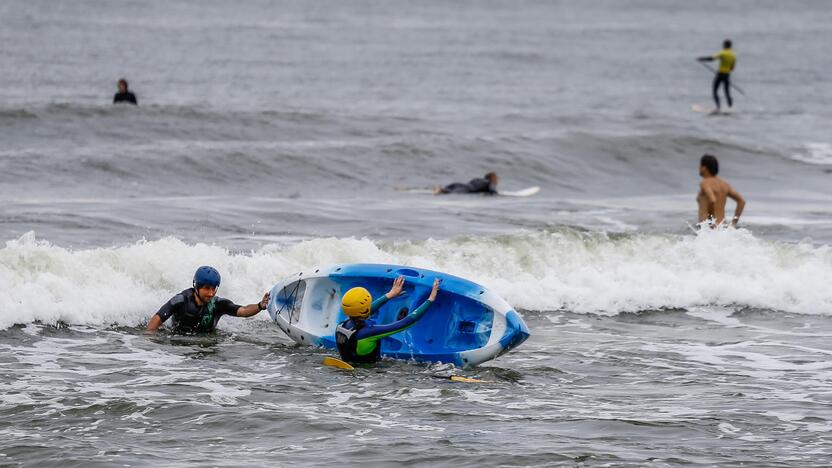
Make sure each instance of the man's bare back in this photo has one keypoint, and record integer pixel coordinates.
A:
(714, 193)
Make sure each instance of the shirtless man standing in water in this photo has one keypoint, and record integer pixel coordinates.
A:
(714, 192)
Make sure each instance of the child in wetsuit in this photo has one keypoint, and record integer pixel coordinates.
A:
(358, 337)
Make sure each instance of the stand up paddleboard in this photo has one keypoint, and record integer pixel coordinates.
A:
(466, 326)
(711, 110)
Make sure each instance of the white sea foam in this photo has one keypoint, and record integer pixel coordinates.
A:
(533, 270)
(815, 153)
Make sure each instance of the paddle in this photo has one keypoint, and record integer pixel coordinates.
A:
(339, 364)
(457, 378)
(713, 70)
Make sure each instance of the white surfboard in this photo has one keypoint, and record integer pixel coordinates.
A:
(415, 190)
(526, 192)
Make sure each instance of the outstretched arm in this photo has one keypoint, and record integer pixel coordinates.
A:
(253, 309)
(706, 58)
(377, 332)
(734, 195)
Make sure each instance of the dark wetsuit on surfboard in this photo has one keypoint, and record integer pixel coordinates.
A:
(188, 317)
(478, 185)
(358, 340)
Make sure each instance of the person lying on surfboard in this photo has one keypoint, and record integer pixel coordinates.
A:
(358, 337)
(487, 184)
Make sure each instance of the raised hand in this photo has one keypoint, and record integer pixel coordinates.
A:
(264, 302)
(398, 284)
(434, 291)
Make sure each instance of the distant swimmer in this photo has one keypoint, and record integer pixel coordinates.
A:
(198, 309)
(487, 184)
(358, 338)
(714, 193)
(123, 94)
(727, 62)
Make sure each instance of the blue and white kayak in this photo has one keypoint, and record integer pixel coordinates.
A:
(466, 326)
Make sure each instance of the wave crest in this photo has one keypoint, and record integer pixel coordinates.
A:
(540, 271)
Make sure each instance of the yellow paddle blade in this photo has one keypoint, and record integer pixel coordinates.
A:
(333, 362)
(457, 378)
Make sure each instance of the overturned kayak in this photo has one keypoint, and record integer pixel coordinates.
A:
(466, 326)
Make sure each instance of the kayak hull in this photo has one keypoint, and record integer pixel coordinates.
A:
(466, 326)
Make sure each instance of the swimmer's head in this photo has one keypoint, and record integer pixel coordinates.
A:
(492, 178)
(122, 85)
(708, 165)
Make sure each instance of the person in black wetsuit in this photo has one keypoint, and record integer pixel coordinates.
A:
(487, 185)
(198, 309)
(123, 95)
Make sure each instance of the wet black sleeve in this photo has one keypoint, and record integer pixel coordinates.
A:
(171, 306)
(226, 307)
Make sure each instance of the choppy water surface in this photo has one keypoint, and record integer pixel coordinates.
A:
(272, 137)
(704, 387)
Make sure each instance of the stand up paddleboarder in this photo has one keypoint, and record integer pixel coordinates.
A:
(727, 62)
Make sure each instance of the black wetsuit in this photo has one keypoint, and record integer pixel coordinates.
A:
(126, 96)
(478, 185)
(724, 79)
(188, 317)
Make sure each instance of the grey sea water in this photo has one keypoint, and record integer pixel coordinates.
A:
(273, 136)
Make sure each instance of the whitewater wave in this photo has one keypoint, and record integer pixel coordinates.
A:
(534, 271)
(815, 153)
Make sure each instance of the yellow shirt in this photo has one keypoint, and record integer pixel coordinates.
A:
(727, 60)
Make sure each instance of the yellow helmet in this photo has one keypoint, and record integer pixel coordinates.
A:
(356, 303)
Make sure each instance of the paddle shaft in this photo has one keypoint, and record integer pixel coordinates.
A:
(731, 82)
(339, 364)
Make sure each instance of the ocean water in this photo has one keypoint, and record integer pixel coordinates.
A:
(274, 136)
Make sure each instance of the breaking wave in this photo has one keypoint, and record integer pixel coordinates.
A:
(534, 271)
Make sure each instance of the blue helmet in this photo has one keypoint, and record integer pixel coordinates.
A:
(206, 275)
